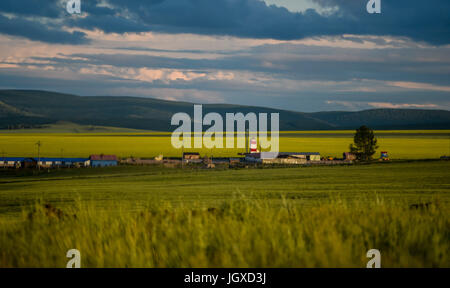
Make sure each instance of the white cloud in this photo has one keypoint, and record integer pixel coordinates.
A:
(8, 65)
(418, 86)
(402, 105)
(357, 105)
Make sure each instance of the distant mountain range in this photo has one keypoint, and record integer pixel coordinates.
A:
(30, 109)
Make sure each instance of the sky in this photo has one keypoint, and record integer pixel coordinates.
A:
(302, 55)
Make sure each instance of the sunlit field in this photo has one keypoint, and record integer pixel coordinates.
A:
(288, 217)
(399, 144)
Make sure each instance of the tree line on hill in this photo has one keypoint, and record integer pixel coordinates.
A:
(25, 108)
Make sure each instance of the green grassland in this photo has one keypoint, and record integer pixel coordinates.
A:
(286, 217)
(400, 144)
(153, 216)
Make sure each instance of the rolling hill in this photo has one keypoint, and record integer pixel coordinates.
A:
(33, 109)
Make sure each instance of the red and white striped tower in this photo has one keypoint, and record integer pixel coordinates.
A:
(253, 146)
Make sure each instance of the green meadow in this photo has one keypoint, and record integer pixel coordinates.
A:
(258, 217)
(154, 216)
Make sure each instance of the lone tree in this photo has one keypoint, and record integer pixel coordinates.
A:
(365, 143)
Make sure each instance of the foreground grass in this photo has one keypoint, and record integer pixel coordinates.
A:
(291, 217)
(239, 233)
(413, 182)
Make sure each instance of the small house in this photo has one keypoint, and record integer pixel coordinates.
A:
(349, 156)
(74, 162)
(384, 156)
(312, 156)
(46, 162)
(11, 162)
(283, 157)
(103, 160)
(29, 163)
(191, 155)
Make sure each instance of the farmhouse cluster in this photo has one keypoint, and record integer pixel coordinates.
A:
(251, 156)
(28, 162)
(287, 158)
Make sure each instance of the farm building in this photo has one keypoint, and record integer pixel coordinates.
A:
(311, 156)
(384, 156)
(11, 162)
(62, 162)
(77, 162)
(349, 156)
(283, 157)
(21, 162)
(49, 162)
(29, 163)
(191, 155)
(139, 161)
(103, 160)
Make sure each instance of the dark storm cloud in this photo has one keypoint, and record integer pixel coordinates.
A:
(420, 20)
(34, 30)
(49, 8)
(109, 24)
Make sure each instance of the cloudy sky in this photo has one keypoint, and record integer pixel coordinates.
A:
(304, 55)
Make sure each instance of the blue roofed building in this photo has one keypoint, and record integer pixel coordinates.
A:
(103, 160)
